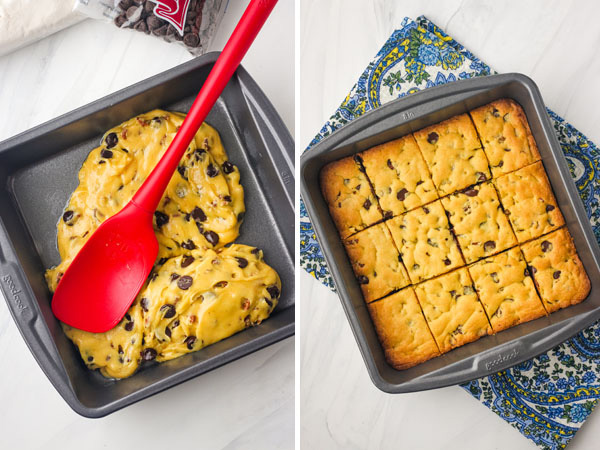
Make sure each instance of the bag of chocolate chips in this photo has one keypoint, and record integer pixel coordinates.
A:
(191, 23)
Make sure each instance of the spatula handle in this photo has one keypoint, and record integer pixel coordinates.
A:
(149, 194)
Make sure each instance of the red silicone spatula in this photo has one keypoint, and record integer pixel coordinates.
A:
(106, 275)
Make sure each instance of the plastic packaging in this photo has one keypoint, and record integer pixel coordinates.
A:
(191, 23)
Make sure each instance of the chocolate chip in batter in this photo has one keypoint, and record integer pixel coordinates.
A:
(549, 208)
(211, 237)
(242, 262)
(187, 261)
(495, 113)
(488, 246)
(274, 290)
(227, 198)
(401, 195)
(481, 176)
(432, 137)
(168, 310)
(144, 304)
(447, 261)
(174, 276)
(185, 282)
(175, 323)
(425, 209)
(221, 284)
(212, 171)
(129, 326)
(152, 277)
(148, 354)
(190, 341)
(161, 219)
(255, 251)
(494, 276)
(228, 167)
(107, 154)
(111, 140)
(367, 204)
(181, 170)
(546, 246)
(198, 214)
(120, 349)
(161, 261)
(188, 245)
(67, 216)
(389, 164)
(556, 275)
(168, 331)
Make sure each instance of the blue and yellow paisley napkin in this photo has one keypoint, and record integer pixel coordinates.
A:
(549, 397)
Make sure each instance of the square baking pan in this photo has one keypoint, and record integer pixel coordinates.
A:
(411, 113)
(38, 173)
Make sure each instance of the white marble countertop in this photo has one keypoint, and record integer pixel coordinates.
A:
(555, 43)
(246, 403)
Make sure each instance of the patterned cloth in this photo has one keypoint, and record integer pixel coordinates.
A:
(549, 397)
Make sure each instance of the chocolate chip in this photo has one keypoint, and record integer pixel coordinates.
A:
(242, 262)
(447, 261)
(153, 22)
(432, 137)
(526, 272)
(152, 277)
(120, 349)
(533, 269)
(358, 159)
(198, 214)
(426, 209)
(181, 170)
(129, 326)
(174, 276)
(255, 251)
(420, 182)
(190, 341)
(141, 26)
(227, 198)
(481, 176)
(120, 20)
(227, 167)
(549, 208)
(212, 171)
(107, 154)
(187, 261)
(471, 192)
(168, 331)
(188, 245)
(161, 218)
(495, 112)
(148, 354)
(546, 246)
(453, 294)
(175, 323)
(501, 163)
(211, 237)
(185, 282)
(401, 195)
(389, 164)
(362, 279)
(274, 290)
(101, 162)
(488, 246)
(111, 140)
(67, 216)
(556, 275)
(191, 40)
(161, 261)
(367, 204)
(168, 310)
(494, 276)
(501, 139)
(144, 304)
(388, 214)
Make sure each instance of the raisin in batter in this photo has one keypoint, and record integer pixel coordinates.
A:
(199, 291)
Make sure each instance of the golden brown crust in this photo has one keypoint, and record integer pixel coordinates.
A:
(505, 135)
(506, 290)
(402, 330)
(557, 270)
(453, 154)
(426, 245)
(376, 262)
(399, 176)
(452, 310)
(348, 194)
(479, 222)
(529, 202)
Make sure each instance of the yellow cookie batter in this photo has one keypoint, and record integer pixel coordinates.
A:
(200, 291)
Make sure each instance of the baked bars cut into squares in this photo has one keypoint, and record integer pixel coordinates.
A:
(348, 194)
(453, 154)
(506, 290)
(557, 270)
(479, 223)
(399, 176)
(505, 135)
(376, 262)
(425, 242)
(452, 310)
(529, 202)
(402, 330)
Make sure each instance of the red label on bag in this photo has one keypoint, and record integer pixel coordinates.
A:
(173, 11)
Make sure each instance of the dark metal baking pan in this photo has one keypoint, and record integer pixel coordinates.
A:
(398, 118)
(38, 172)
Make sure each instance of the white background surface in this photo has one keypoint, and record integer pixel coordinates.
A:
(246, 404)
(555, 43)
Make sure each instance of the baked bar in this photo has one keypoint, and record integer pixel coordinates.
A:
(557, 270)
(506, 289)
(348, 194)
(399, 176)
(376, 262)
(479, 222)
(453, 154)
(505, 135)
(426, 244)
(452, 310)
(402, 330)
(529, 202)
